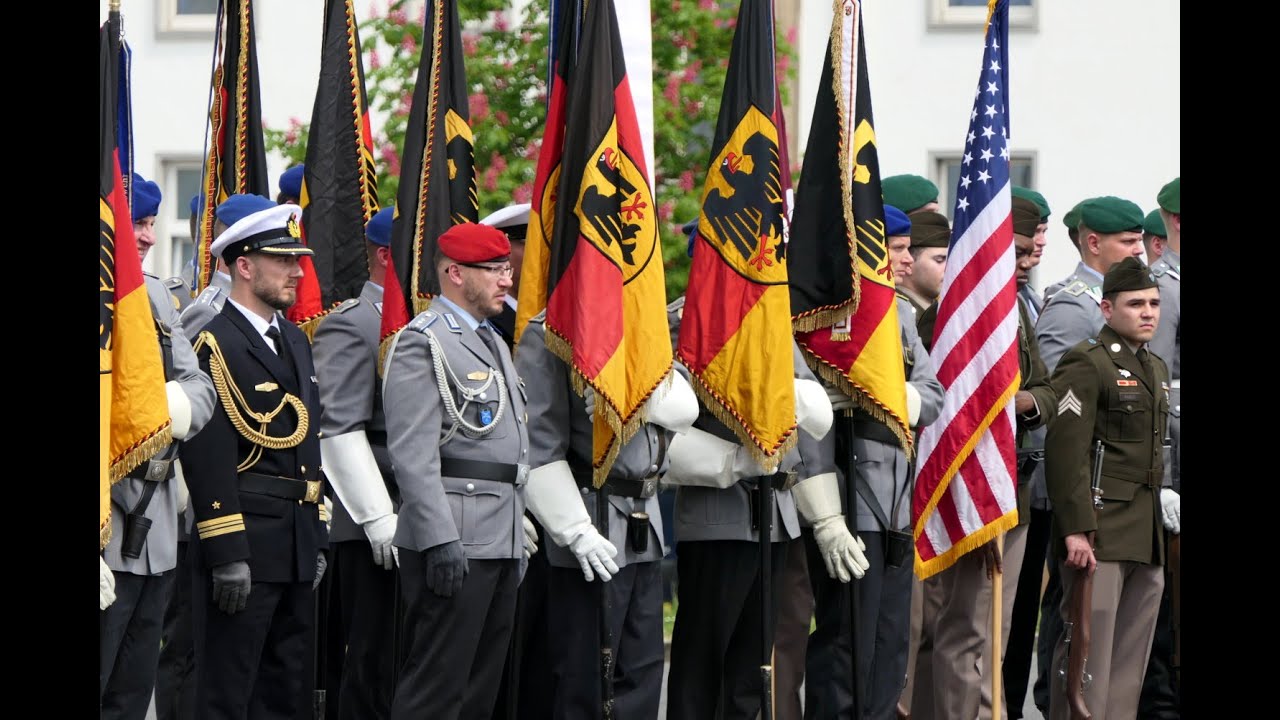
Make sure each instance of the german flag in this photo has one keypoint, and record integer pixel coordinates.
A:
(437, 174)
(340, 183)
(235, 159)
(735, 336)
(606, 306)
(842, 290)
(133, 411)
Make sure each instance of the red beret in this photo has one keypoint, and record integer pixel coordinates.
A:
(473, 243)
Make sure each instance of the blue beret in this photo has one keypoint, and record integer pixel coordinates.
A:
(146, 197)
(237, 207)
(378, 229)
(896, 222)
(195, 203)
(691, 229)
(291, 181)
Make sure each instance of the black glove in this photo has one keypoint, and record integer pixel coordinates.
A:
(321, 564)
(446, 567)
(231, 586)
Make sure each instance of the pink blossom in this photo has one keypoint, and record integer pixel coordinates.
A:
(692, 107)
(686, 180)
(408, 43)
(672, 91)
(502, 117)
(526, 37)
(532, 149)
(470, 43)
(706, 4)
(666, 210)
(491, 179)
(398, 17)
(497, 162)
(391, 158)
(675, 6)
(523, 193)
(478, 103)
(375, 60)
(784, 64)
(294, 123)
(500, 22)
(791, 35)
(291, 136)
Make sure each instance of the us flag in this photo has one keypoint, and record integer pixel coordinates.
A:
(966, 490)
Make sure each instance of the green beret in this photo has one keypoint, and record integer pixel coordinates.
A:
(1035, 197)
(1128, 274)
(1026, 216)
(929, 229)
(1072, 218)
(1154, 224)
(908, 192)
(1110, 214)
(1171, 195)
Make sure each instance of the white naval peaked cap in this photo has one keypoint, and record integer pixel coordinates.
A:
(276, 230)
(509, 216)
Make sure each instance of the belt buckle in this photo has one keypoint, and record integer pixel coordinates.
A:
(522, 474)
(157, 470)
(313, 491)
(789, 479)
(648, 488)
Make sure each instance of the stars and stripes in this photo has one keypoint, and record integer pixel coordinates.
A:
(966, 490)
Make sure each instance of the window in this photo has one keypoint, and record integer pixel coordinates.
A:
(973, 13)
(946, 175)
(187, 16)
(174, 249)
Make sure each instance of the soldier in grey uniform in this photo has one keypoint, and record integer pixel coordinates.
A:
(353, 447)
(1108, 229)
(456, 428)
(628, 560)
(140, 559)
(1160, 692)
(715, 647)
(884, 476)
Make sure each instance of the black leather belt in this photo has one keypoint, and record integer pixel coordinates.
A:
(281, 487)
(480, 470)
(158, 468)
(782, 480)
(376, 437)
(872, 430)
(636, 489)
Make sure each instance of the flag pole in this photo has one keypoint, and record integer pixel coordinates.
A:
(997, 647)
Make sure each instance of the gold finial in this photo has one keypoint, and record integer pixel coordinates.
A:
(113, 6)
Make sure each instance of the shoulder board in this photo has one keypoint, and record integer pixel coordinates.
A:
(174, 282)
(209, 295)
(676, 304)
(1076, 288)
(1159, 268)
(423, 321)
(540, 318)
(346, 305)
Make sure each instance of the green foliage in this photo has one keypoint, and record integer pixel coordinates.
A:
(507, 73)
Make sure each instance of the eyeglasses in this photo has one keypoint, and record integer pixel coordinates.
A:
(503, 271)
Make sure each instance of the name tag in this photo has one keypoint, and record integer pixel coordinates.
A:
(1127, 383)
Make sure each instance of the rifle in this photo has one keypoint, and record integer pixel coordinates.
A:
(1076, 630)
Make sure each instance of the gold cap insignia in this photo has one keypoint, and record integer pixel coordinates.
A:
(294, 230)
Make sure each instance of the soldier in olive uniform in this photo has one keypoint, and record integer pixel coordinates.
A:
(1034, 405)
(255, 481)
(930, 237)
(1160, 693)
(456, 429)
(883, 477)
(1113, 390)
(141, 558)
(628, 560)
(353, 446)
(715, 646)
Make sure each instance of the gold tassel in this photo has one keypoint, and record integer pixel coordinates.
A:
(967, 544)
(104, 533)
(141, 452)
(825, 316)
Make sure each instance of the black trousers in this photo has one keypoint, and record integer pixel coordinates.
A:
(1161, 698)
(326, 629)
(883, 635)
(251, 664)
(525, 692)
(1050, 631)
(1026, 612)
(129, 644)
(635, 622)
(717, 645)
(455, 646)
(175, 678)
(365, 617)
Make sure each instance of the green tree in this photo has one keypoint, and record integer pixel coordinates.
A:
(506, 61)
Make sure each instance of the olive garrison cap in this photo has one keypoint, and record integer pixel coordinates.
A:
(1026, 216)
(1171, 195)
(1035, 197)
(1154, 224)
(929, 229)
(908, 192)
(1109, 214)
(1128, 274)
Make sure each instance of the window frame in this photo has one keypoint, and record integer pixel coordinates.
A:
(171, 23)
(942, 15)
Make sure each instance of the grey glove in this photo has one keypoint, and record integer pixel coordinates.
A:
(446, 568)
(321, 564)
(589, 399)
(231, 585)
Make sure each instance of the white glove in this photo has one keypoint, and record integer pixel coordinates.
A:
(814, 412)
(672, 406)
(701, 459)
(839, 401)
(179, 410)
(913, 405)
(1171, 508)
(553, 497)
(106, 585)
(380, 533)
(818, 500)
(353, 472)
(327, 515)
(530, 537)
(184, 495)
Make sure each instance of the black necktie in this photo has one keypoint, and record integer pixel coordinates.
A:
(490, 341)
(282, 349)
